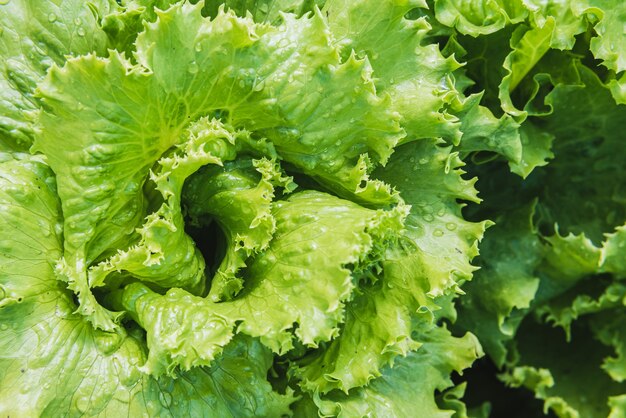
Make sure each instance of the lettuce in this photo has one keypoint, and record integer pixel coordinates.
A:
(271, 208)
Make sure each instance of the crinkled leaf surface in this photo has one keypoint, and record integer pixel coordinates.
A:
(304, 272)
(165, 254)
(612, 252)
(414, 73)
(407, 388)
(153, 226)
(129, 115)
(556, 372)
(429, 177)
(479, 17)
(35, 36)
(238, 196)
(589, 129)
(54, 362)
(263, 11)
(568, 23)
(378, 320)
(505, 282)
(608, 45)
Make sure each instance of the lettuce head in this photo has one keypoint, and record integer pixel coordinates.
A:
(271, 208)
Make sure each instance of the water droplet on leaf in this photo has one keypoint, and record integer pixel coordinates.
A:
(82, 404)
(450, 226)
(166, 399)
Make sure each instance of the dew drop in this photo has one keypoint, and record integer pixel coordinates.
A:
(428, 217)
(198, 46)
(193, 68)
(3, 2)
(80, 32)
(259, 86)
(166, 399)
(52, 18)
(45, 231)
(423, 161)
(82, 404)
(450, 226)
(438, 233)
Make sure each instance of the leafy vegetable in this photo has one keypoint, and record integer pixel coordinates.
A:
(272, 208)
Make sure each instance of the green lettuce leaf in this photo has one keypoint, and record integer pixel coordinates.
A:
(304, 271)
(551, 367)
(379, 320)
(612, 252)
(378, 325)
(51, 359)
(536, 150)
(238, 196)
(482, 131)
(528, 45)
(140, 111)
(429, 178)
(607, 328)
(505, 283)
(567, 22)
(479, 17)
(165, 255)
(591, 129)
(411, 71)
(263, 11)
(34, 37)
(407, 388)
(608, 17)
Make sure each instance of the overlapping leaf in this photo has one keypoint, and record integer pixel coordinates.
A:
(408, 387)
(414, 73)
(432, 258)
(33, 38)
(117, 119)
(304, 272)
(54, 362)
